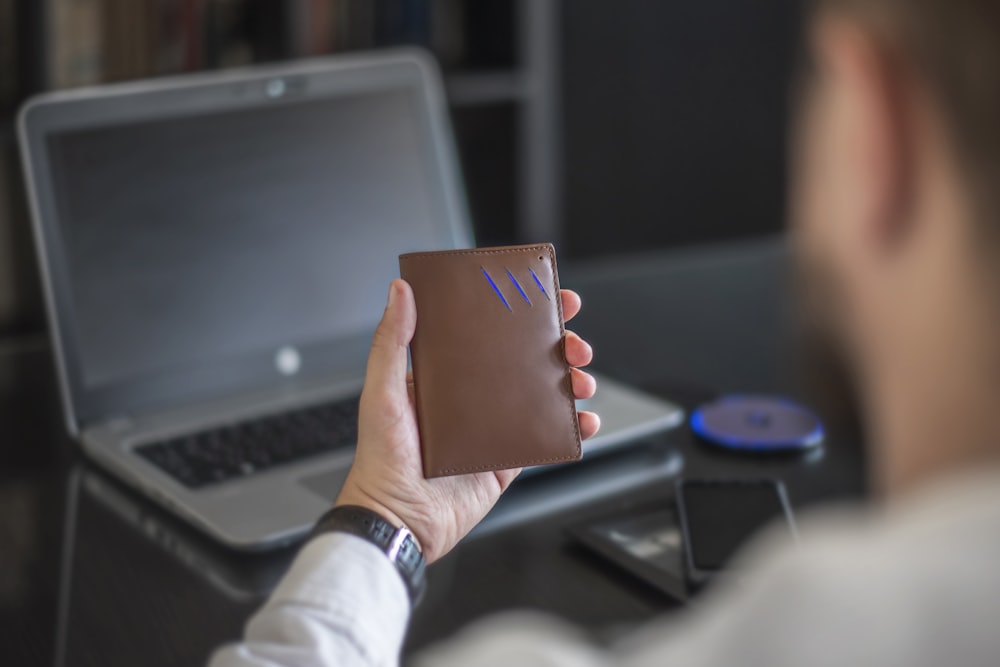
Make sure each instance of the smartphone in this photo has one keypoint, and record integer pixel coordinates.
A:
(718, 516)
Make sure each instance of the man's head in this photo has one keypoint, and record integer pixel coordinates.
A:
(896, 215)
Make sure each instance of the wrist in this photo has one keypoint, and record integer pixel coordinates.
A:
(397, 542)
(351, 496)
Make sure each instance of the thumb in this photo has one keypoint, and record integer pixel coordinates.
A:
(387, 360)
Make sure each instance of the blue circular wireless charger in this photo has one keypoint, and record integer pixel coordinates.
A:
(757, 424)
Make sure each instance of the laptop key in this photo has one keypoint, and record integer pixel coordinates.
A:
(253, 446)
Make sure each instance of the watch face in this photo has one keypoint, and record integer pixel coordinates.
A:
(410, 562)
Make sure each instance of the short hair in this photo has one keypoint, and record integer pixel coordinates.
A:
(954, 46)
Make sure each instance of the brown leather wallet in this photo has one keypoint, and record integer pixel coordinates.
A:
(492, 385)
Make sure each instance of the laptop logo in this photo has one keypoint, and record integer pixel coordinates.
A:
(287, 360)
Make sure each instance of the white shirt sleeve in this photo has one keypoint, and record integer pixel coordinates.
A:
(342, 603)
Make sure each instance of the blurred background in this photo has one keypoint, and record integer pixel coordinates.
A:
(606, 127)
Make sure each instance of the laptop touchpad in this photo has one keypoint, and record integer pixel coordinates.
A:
(327, 484)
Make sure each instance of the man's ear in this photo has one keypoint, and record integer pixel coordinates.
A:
(869, 91)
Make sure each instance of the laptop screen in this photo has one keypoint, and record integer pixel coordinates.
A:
(213, 251)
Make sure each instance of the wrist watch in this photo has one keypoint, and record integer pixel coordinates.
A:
(398, 544)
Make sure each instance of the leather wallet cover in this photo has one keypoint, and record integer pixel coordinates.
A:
(492, 385)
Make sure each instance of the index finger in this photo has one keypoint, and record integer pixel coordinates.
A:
(570, 304)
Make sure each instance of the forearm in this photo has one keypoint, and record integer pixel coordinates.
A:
(341, 603)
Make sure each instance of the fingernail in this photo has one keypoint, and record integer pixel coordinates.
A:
(392, 294)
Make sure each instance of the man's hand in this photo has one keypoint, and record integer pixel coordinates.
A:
(387, 476)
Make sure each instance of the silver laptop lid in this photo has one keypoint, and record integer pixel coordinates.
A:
(218, 233)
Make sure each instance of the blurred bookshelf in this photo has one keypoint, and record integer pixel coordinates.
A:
(498, 58)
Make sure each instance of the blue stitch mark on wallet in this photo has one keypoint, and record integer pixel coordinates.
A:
(539, 283)
(497, 290)
(517, 285)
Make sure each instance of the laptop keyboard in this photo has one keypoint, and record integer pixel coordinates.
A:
(248, 447)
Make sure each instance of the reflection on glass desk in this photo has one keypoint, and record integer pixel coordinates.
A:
(647, 544)
(126, 561)
(120, 548)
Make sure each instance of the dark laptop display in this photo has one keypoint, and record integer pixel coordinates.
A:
(268, 228)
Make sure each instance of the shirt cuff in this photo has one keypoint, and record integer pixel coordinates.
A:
(355, 587)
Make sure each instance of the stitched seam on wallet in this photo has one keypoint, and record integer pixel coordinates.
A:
(562, 338)
(474, 251)
(562, 348)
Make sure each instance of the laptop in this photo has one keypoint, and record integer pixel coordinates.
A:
(215, 252)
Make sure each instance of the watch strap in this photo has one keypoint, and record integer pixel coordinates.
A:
(398, 544)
